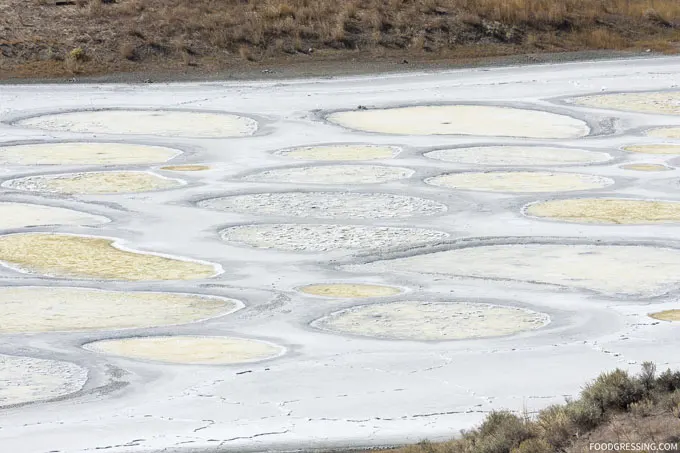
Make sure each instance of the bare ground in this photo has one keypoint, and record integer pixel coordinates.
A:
(182, 39)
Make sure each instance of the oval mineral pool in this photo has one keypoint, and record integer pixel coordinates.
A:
(326, 238)
(350, 290)
(167, 123)
(333, 174)
(327, 205)
(664, 132)
(27, 380)
(48, 309)
(667, 315)
(350, 152)
(654, 149)
(477, 120)
(667, 102)
(607, 210)
(499, 156)
(432, 321)
(631, 270)
(85, 154)
(22, 215)
(185, 168)
(71, 256)
(520, 181)
(95, 183)
(646, 167)
(191, 350)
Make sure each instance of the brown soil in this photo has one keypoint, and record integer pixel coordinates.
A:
(227, 38)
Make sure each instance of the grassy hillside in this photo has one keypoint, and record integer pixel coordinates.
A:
(62, 37)
(615, 407)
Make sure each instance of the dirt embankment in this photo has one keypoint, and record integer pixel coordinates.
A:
(67, 38)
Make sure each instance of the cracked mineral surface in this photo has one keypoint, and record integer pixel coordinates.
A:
(327, 205)
(325, 238)
(27, 379)
(105, 182)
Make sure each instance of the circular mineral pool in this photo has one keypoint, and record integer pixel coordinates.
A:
(168, 123)
(185, 168)
(47, 309)
(27, 380)
(462, 120)
(23, 215)
(350, 290)
(72, 256)
(85, 154)
(667, 315)
(333, 174)
(326, 205)
(520, 181)
(518, 155)
(664, 132)
(326, 238)
(192, 350)
(93, 183)
(631, 270)
(654, 149)
(433, 321)
(646, 167)
(667, 102)
(350, 152)
(607, 210)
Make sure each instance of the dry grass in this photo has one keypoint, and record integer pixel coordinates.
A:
(615, 407)
(132, 34)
